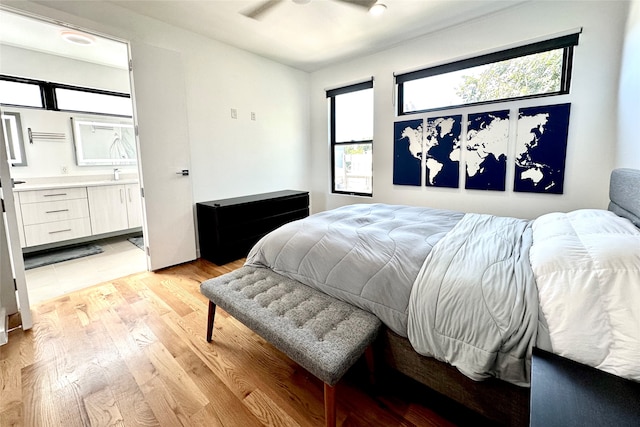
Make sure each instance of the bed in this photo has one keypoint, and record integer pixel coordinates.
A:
(465, 297)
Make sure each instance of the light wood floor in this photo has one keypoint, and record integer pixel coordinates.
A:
(119, 258)
(132, 352)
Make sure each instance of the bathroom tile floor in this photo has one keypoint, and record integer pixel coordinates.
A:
(120, 258)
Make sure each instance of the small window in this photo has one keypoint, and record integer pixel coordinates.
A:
(20, 94)
(535, 70)
(351, 120)
(77, 100)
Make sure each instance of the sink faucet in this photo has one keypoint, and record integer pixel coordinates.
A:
(116, 174)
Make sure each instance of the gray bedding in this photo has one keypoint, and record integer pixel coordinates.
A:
(366, 254)
(474, 304)
(459, 286)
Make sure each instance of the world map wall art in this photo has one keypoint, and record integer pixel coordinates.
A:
(541, 149)
(408, 144)
(487, 141)
(437, 141)
(431, 148)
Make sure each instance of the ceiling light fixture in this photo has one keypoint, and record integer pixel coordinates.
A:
(78, 38)
(378, 9)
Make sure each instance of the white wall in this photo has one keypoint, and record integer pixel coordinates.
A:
(592, 133)
(229, 157)
(628, 153)
(232, 157)
(52, 68)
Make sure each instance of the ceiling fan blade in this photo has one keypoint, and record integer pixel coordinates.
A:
(365, 4)
(257, 11)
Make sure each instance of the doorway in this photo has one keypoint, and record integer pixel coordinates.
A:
(84, 75)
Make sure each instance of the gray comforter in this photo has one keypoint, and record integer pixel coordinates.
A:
(366, 254)
(474, 302)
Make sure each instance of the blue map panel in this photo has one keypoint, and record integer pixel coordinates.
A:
(541, 149)
(442, 151)
(487, 139)
(407, 152)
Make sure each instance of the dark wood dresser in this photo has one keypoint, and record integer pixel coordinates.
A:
(228, 228)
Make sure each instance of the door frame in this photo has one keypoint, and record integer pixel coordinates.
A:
(15, 248)
(10, 222)
(158, 256)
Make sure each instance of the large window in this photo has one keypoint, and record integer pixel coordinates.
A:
(20, 92)
(534, 70)
(351, 117)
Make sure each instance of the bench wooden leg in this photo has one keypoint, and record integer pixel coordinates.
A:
(329, 405)
(210, 318)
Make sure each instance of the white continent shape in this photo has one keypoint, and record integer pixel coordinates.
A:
(527, 139)
(492, 139)
(415, 140)
(434, 167)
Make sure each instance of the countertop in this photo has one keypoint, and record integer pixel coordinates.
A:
(27, 186)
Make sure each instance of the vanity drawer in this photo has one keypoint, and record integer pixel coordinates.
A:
(35, 196)
(38, 213)
(40, 234)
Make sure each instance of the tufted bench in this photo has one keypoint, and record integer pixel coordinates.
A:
(323, 335)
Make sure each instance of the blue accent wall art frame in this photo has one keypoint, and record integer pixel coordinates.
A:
(442, 151)
(541, 149)
(486, 157)
(408, 145)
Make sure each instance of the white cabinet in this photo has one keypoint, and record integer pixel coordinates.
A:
(54, 215)
(134, 205)
(58, 214)
(114, 207)
(108, 208)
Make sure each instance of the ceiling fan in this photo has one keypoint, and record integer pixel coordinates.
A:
(257, 11)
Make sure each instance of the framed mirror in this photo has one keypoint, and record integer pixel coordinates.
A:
(12, 129)
(108, 141)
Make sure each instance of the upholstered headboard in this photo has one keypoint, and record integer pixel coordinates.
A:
(624, 193)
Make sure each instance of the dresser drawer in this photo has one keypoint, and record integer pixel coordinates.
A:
(258, 227)
(39, 213)
(40, 234)
(228, 228)
(246, 212)
(36, 196)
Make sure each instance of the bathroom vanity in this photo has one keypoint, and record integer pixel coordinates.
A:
(54, 212)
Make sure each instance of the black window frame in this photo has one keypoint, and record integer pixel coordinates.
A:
(331, 95)
(566, 42)
(48, 95)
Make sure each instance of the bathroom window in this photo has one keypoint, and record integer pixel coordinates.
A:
(21, 92)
